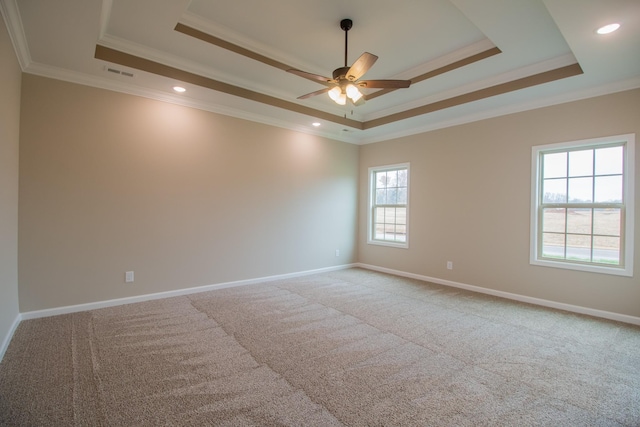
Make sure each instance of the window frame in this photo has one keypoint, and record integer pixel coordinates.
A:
(372, 205)
(627, 206)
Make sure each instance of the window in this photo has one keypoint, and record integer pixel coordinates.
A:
(389, 205)
(582, 205)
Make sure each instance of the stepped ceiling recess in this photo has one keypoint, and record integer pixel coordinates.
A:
(467, 59)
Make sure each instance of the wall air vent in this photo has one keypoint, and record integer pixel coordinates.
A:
(116, 71)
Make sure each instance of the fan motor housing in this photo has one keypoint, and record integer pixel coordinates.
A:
(341, 72)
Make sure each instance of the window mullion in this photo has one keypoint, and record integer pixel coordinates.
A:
(592, 230)
(566, 229)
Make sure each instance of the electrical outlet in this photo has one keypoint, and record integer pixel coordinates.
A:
(128, 276)
(449, 265)
(337, 252)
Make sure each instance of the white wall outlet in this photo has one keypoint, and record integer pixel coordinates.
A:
(128, 276)
(337, 252)
(449, 265)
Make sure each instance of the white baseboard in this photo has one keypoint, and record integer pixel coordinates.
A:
(516, 297)
(178, 292)
(7, 338)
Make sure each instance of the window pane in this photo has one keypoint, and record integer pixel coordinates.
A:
(606, 250)
(401, 216)
(553, 220)
(379, 232)
(378, 215)
(608, 189)
(392, 179)
(578, 247)
(553, 245)
(402, 178)
(390, 215)
(555, 165)
(581, 163)
(580, 190)
(579, 221)
(381, 198)
(402, 196)
(606, 222)
(392, 196)
(555, 191)
(381, 180)
(609, 160)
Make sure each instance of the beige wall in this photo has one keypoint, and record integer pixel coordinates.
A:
(470, 198)
(10, 76)
(112, 182)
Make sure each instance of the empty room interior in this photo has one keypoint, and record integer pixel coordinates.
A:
(319, 212)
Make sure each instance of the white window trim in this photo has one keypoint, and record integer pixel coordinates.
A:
(370, 239)
(628, 197)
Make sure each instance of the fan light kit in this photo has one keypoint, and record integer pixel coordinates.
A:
(345, 83)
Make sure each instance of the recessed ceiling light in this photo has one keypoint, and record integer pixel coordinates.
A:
(179, 89)
(608, 28)
(316, 124)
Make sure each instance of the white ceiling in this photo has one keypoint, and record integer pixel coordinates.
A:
(58, 39)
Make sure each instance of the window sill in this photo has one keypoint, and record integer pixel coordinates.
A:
(616, 271)
(401, 245)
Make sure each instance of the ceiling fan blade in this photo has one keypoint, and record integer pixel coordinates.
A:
(361, 66)
(318, 92)
(384, 84)
(310, 76)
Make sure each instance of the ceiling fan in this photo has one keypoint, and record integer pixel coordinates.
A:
(345, 81)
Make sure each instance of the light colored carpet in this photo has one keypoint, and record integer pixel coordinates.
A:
(351, 347)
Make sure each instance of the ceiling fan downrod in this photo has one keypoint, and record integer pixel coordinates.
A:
(346, 25)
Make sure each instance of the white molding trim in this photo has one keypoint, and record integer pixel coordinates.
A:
(508, 295)
(13, 21)
(7, 338)
(178, 292)
(105, 16)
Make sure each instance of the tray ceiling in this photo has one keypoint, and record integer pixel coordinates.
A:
(467, 60)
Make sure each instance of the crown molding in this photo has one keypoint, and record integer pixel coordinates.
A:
(13, 21)
(105, 15)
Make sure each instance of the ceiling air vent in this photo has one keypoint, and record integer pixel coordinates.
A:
(116, 71)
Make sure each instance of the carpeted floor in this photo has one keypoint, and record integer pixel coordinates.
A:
(352, 347)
